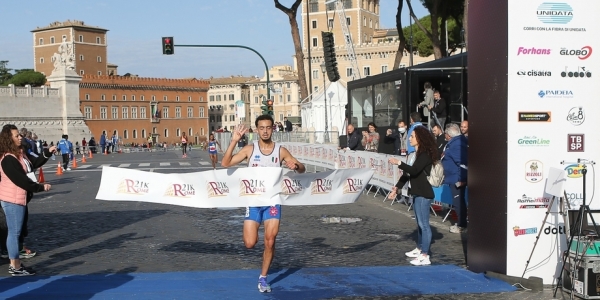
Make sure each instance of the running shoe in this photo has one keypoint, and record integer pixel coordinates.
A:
(421, 260)
(22, 271)
(26, 253)
(414, 253)
(263, 286)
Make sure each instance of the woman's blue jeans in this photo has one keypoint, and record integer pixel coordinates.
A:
(15, 214)
(421, 206)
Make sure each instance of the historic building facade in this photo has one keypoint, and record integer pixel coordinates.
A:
(228, 100)
(284, 92)
(142, 109)
(87, 43)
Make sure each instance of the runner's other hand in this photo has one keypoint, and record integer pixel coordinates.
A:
(291, 165)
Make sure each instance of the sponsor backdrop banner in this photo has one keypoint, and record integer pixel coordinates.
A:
(552, 104)
(234, 187)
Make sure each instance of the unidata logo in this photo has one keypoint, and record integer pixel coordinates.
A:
(558, 94)
(574, 171)
(533, 51)
(555, 13)
(582, 53)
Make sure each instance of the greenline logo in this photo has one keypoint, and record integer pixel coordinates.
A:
(533, 141)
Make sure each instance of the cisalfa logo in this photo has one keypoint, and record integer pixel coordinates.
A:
(534, 73)
(555, 13)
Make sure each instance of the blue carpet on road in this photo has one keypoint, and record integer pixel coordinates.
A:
(288, 284)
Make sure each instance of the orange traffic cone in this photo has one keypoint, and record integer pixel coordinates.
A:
(83, 159)
(59, 171)
(74, 163)
(90, 154)
(41, 178)
(106, 151)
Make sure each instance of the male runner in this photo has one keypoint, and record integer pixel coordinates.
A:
(262, 153)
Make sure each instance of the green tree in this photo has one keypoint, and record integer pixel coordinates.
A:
(422, 42)
(5, 74)
(28, 78)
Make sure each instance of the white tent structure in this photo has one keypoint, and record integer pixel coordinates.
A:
(313, 112)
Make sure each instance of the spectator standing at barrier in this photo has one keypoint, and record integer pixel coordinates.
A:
(103, 141)
(184, 141)
(440, 138)
(370, 139)
(288, 125)
(92, 145)
(454, 161)
(415, 120)
(439, 108)
(83, 145)
(16, 189)
(415, 172)
(464, 128)
(398, 137)
(39, 148)
(353, 139)
(427, 102)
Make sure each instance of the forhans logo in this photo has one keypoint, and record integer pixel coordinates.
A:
(249, 187)
(185, 190)
(533, 141)
(582, 53)
(574, 171)
(518, 231)
(133, 187)
(353, 185)
(534, 73)
(217, 189)
(555, 94)
(321, 186)
(530, 202)
(534, 171)
(555, 13)
(291, 186)
(580, 72)
(533, 51)
(576, 116)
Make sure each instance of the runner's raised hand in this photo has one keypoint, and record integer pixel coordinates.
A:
(238, 132)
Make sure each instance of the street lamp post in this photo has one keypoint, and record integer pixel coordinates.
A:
(324, 71)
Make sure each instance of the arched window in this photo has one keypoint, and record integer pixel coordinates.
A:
(166, 132)
(178, 131)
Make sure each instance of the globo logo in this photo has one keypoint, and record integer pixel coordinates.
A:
(574, 171)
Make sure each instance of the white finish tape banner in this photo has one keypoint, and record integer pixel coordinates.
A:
(234, 187)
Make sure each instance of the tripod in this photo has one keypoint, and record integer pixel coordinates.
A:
(577, 230)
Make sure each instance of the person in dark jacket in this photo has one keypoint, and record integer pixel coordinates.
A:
(398, 137)
(455, 161)
(415, 172)
(354, 138)
(440, 138)
(439, 108)
(103, 142)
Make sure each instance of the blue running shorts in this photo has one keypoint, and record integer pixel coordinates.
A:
(263, 213)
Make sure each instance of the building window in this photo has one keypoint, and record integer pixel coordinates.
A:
(99, 73)
(103, 112)
(190, 111)
(370, 23)
(314, 6)
(81, 38)
(132, 97)
(218, 97)
(88, 112)
(211, 98)
(201, 131)
(367, 71)
(288, 85)
(315, 74)
(114, 97)
(348, 21)
(166, 132)
(98, 40)
(289, 98)
(178, 112)
(153, 98)
(99, 59)
(315, 42)
(280, 116)
(231, 97)
(134, 112)
(314, 24)
(80, 57)
(64, 37)
(330, 6)
(143, 133)
(289, 113)
(81, 72)
(189, 98)
(52, 40)
(103, 97)
(190, 131)
(280, 98)
(256, 87)
(87, 96)
(177, 98)
(316, 88)
(212, 119)
(115, 112)
(364, 21)
(201, 112)
(142, 98)
(125, 134)
(201, 98)
(165, 112)
(134, 134)
(142, 112)
(41, 42)
(384, 69)
(255, 100)
(178, 132)
(154, 130)
(41, 60)
(348, 72)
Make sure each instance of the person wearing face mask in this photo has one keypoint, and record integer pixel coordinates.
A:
(398, 137)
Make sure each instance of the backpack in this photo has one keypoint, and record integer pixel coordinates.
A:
(436, 176)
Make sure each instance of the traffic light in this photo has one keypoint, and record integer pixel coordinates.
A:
(167, 45)
(329, 55)
(267, 107)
